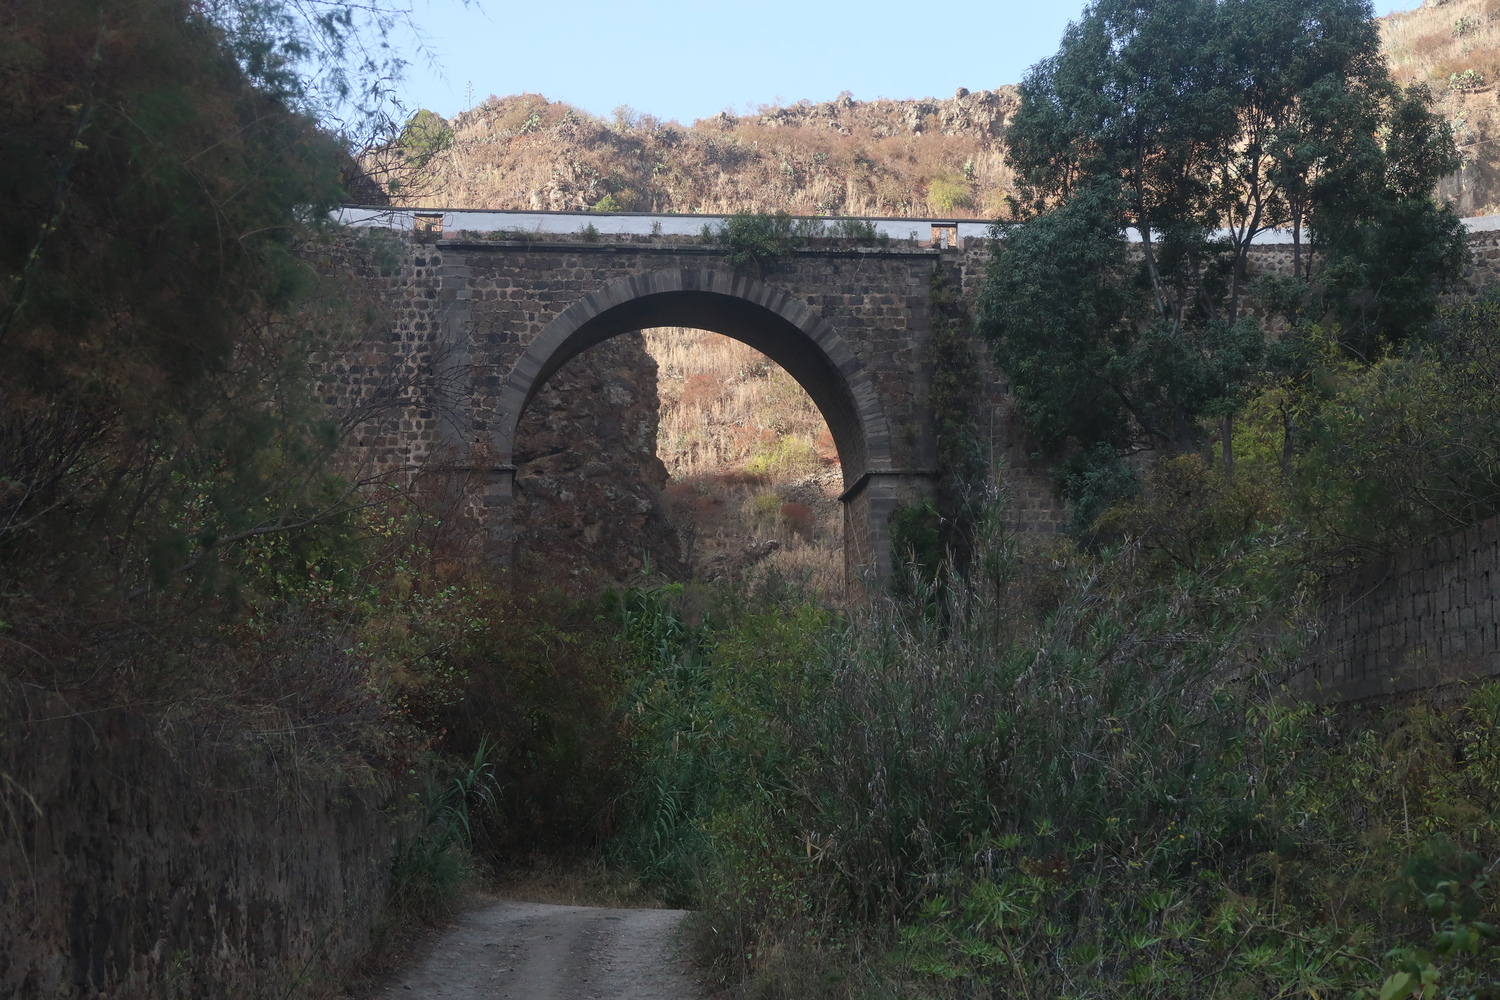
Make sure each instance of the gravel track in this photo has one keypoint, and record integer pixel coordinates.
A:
(539, 951)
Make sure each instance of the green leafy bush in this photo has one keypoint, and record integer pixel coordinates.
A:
(1375, 456)
(622, 200)
(425, 135)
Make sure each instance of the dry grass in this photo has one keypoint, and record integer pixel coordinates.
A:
(751, 461)
(1454, 48)
(841, 157)
(819, 567)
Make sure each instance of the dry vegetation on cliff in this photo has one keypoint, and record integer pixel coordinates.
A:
(847, 157)
(840, 157)
(1453, 47)
(752, 461)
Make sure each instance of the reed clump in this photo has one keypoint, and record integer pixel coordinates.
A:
(1056, 775)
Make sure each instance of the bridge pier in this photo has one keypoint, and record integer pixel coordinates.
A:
(870, 506)
(497, 502)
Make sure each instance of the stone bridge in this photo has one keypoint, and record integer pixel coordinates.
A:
(487, 306)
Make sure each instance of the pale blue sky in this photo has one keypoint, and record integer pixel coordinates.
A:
(687, 60)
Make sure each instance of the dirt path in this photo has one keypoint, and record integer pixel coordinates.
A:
(539, 951)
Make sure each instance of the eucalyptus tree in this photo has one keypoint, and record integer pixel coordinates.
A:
(1195, 126)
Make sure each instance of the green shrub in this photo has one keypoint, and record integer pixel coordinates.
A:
(755, 238)
(947, 194)
(762, 509)
(616, 201)
(790, 456)
(425, 135)
(1376, 456)
(917, 552)
(1466, 82)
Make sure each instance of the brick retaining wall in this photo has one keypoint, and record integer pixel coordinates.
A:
(1425, 617)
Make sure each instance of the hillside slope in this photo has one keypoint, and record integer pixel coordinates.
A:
(921, 157)
(841, 157)
(1453, 47)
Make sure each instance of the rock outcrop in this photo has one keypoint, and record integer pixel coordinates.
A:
(839, 157)
(589, 507)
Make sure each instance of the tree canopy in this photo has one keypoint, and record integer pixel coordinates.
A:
(1155, 147)
(156, 293)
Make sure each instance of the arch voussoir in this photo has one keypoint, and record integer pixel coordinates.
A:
(560, 336)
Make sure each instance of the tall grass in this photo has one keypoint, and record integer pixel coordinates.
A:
(436, 857)
(977, 793)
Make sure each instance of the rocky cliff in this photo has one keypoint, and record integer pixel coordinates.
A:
(1452, 47)
(589, 506)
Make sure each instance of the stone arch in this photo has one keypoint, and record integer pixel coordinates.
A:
(783, 328)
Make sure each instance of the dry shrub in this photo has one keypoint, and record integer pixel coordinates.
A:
(798, 517)
(1431, 45)
(1477, 66)
(817, 569)
(827, 450)
(699, 392)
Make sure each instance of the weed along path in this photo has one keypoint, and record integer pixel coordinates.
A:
(540, 951)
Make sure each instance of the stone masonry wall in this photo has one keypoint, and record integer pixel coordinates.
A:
(1425, 617)
(1032, 504)
(402, 394)
(875, 301)
(133, 867)
(506, 292)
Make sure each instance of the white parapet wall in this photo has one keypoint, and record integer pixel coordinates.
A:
(618, 224)
(645, 224)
